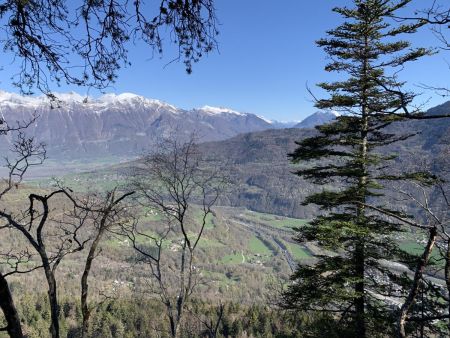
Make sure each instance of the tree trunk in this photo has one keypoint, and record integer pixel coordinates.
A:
(410, 299)
(13, 327)
(360, 318)
(173, 325)
(53, 299)
(359, 251)
(85, 286)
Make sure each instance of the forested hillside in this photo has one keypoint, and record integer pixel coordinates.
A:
(261, 171)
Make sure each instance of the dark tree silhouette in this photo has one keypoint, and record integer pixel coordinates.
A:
(66, 239)
(25, 153)
(85, 43)
(13, 326)
(106, 213)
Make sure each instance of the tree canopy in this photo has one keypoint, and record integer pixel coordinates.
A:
(349, 278)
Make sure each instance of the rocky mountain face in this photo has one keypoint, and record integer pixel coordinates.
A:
(117, 125)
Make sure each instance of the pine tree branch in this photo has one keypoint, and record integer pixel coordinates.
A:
(393, 215)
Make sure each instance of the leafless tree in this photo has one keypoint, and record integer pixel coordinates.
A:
(86, 43)
(429, 199)
(442, 221)
(52, 236)
(24, 153)
(436, 16)
(13, 327)
(54, 41)
(106, 213)
(82, 224)
(436, 224)
(176, 183)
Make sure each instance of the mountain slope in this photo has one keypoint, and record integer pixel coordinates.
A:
(262, 174)
(317, 119)
(118, 125)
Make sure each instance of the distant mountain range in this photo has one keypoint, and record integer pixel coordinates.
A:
(119, 125)
(125, 125)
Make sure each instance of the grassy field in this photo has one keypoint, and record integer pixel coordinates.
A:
(210, 243)
(415, 248)
(276, 221)
(298, 252)
(257, 246)
(413, 242)
(105, 180)
(232, 259)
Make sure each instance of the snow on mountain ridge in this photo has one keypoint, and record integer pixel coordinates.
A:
(222, 110)
(99, 105)
(219, 110)
(70, 97)
(264, 119)
(77, 126)
(13, 99)
(130, 98)
(112, 98)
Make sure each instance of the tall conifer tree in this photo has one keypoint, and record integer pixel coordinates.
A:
(349, 279)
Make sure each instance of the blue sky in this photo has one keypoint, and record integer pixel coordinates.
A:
(266, 57)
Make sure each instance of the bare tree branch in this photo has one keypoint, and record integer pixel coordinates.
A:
(176, 183)
(59, 42)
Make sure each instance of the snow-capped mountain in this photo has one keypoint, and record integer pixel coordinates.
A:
(317, 119)
(76, 126)
(219, 110)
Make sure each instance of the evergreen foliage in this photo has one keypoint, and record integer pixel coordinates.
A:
(350, 280)
(129, 317)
